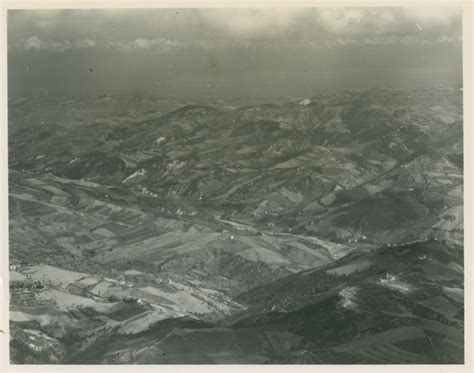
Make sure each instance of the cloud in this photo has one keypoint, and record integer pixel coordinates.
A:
(380, 40)
(397, 21)
(169, 30)
(433, 16)
(252, 23)
(312, 22)
(156, 44)
(35, 43)
(86, 43)
(339, 21)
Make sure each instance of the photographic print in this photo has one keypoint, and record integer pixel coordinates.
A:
(236, 186)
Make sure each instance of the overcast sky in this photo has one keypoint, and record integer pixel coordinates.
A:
(256, 51)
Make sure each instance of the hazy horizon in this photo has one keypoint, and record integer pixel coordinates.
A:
(231, 54)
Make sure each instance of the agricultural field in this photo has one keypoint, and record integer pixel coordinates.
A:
(324, 230)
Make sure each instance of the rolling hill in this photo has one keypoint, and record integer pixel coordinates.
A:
(322, 230)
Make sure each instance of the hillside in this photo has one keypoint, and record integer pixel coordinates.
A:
(320, 230)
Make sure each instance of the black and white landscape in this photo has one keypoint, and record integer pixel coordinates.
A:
(210, 186)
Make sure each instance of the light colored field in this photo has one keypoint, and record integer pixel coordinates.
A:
(187, 302)
(39, 334)
(396, 284)
(293, 252)
(87, 184)
(294, 197)
(350, 268)
(215, 299)
(92, 280)
(155, 247)
(53, 190)
(16, 276)
(19, 316)
(104, 232)
(455, 294)
(102, 289)
(261, 254)
(133, 272)
(143, 321)
(53, 275)
(34, 182)
(66, 301)
(292, 163)
(335, 250)
(306, 244)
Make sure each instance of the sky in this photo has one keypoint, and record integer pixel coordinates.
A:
(231, 53)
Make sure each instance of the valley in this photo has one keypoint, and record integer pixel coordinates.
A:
(320, 230)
